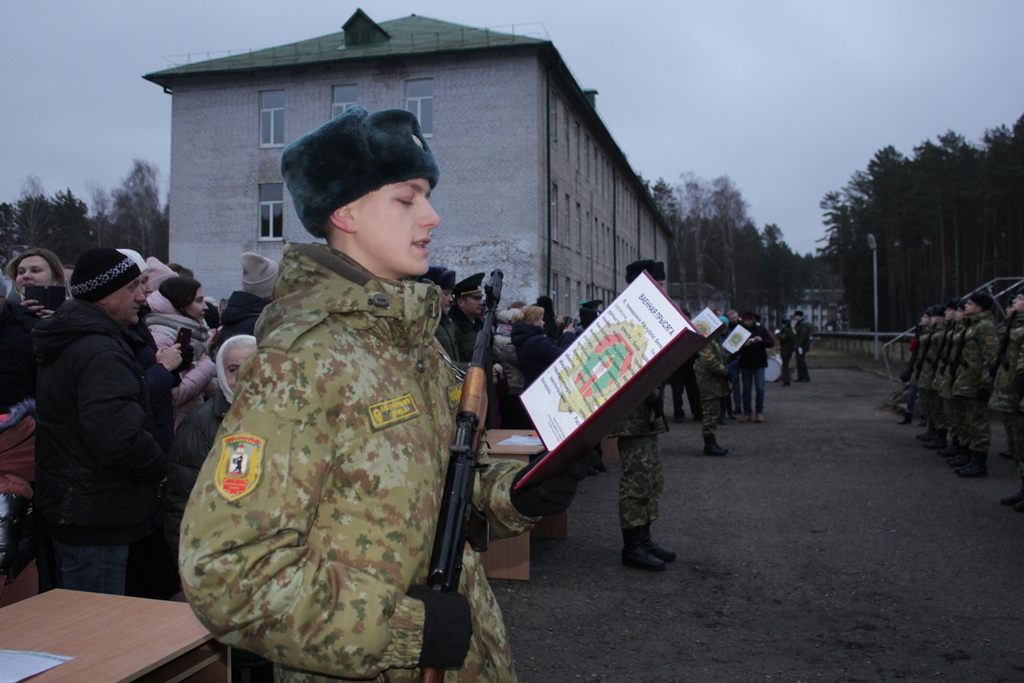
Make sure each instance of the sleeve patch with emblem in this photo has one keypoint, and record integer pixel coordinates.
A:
(393, 411)
(240, 465)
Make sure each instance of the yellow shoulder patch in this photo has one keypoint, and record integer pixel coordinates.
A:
(454, 396)
(392, 411)
(240, 465)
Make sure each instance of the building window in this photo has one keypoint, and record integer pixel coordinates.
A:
(566, 123)
(587, 166)
(554, 120)
(568, 223)
(579, 229)
(419, 99)
(554, 211)
(577, 145)
(272, 118)
(344, 96)
(272, 211)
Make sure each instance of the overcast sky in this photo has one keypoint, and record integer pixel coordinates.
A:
(788, 98)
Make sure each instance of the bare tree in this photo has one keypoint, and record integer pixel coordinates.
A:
(730, 214)
(140, 221)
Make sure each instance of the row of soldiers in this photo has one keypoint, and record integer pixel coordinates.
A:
(965, 365)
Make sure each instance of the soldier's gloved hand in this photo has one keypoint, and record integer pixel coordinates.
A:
(983, 395)
(1020, 385)
(549, 497)
(993, 369)
(447, 628)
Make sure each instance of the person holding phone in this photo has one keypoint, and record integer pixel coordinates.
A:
(177, 318)
(32, 268)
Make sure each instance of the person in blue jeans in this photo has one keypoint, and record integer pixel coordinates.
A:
(752, 363)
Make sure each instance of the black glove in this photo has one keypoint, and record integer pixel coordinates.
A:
(447, 627)
(188, 356)
(549, 497)
(905, 375)
(993, 369)
(983, 395)
(1020, 385)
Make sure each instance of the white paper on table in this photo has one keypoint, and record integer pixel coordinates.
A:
(521, 440)
(611, 350)
(706, 323)
(736, 339)
(17, 665)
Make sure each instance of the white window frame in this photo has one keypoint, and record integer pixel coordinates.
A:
(418, 103)
(271, 118)
(338, 108)
(272, 209)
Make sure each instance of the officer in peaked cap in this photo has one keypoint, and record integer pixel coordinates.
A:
(467, 313)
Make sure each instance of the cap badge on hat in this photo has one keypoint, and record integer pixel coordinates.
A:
(417, 141)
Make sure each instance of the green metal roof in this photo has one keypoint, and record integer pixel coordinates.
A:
(412, 35)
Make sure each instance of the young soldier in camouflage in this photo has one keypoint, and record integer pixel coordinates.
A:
(713, 380)
(309, 532)
(642, 478)
(972, 385)
(1005, 396)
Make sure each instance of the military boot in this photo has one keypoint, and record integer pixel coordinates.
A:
(636, 554)
(907, 419)
(1019, 507)
(938, 443)
(929, 435)
(661, 552)
(975, 468)
(1016, 497)
(961, 459)
(711, 447)
(1006, 455)
(951, 450)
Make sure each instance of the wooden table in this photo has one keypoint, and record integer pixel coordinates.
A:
(509, 558)
(114, 638)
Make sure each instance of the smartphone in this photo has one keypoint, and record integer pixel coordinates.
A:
(55, 296)
(36, 293)
(184, 337)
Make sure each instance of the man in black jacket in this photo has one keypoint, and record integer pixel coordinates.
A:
(753, 361)
(98, 464)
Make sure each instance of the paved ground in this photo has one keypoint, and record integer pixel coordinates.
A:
(827, 546)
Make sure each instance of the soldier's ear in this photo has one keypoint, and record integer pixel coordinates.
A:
(342, 219)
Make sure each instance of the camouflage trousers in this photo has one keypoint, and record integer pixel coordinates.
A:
(1014, 423)
(951, 407)
(976, 431)
(641, 482)
(712, 410)
(926, 399)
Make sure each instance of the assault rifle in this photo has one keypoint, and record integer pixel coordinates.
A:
(958, 357)
(459, 521)
(942, 357)
(1004, 343)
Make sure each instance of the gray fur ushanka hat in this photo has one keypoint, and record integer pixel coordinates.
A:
(350, 156)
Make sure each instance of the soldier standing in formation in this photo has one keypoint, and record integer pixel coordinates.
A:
(308, 535)
(1008, 389)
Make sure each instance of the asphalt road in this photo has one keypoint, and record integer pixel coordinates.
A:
(827, 546)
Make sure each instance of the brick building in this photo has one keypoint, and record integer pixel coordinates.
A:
(531, 179)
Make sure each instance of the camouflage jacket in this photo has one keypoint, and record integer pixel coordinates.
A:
(647, 419)
(927, 352)
(1004, 390)
(317, 506)
(445, 334)
(981, 346)
(941, 382)
(712, 374)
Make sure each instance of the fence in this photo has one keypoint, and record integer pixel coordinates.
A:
(894, 347)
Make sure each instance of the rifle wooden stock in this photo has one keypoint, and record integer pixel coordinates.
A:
(457, 515)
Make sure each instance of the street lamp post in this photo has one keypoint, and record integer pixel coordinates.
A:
(874, 263)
